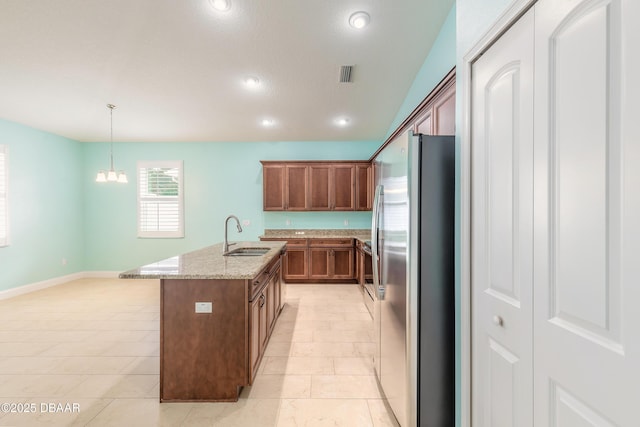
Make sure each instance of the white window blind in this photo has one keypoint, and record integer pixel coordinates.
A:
(4, 196)
(160, 199)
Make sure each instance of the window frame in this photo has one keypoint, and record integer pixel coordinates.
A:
(160, 164)
(4, 178)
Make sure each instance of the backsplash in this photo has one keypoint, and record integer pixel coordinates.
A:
(317, 220)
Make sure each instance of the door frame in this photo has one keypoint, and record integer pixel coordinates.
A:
(512, 13)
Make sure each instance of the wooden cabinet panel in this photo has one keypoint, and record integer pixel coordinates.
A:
(439, 117)
(319, 260)
(331, 263)
(273, 187)
(263, 319)
(343, 187)
(330, 242)
(319, 186)
(364, 187)
(295, 266)
(342, 263)
(296, 188)
(444, 113)
(193, 367)
(271, 304)
(316, 186)
(254, 338)
(424, 124)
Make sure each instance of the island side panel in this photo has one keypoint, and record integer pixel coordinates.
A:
(203, 356)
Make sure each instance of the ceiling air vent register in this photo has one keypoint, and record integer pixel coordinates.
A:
(346, 73)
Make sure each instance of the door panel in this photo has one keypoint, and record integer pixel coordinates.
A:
(344, 183)
(586, 217)
(319, 184)
(296, 188)
(502, 240)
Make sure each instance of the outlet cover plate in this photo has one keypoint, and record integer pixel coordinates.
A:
(204, 307)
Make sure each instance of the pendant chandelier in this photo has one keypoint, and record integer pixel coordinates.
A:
(111, 175)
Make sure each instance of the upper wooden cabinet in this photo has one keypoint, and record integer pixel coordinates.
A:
(364, 187)
(317, 186)
(284, 187)
(439, 116)
(435, 115)
(332, 187)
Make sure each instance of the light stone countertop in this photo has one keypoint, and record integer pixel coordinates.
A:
(209, 263)
(354, 233)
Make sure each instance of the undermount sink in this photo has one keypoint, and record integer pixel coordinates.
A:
(247, 252)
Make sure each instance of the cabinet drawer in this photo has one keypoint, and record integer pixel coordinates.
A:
(331, 242)
(297, 242)
(258, 282)
(290, 242)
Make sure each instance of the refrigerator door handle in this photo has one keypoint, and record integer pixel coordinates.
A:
(375, 250)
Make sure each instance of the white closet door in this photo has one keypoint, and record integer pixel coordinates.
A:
(587, 214)
(502, 230)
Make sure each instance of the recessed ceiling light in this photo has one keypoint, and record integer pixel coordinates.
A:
(267, 122)
(221, 5)
(359, 20)
(251, 82)
(343, 121)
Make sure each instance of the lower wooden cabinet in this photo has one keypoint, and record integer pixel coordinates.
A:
(263, 313)
(296, 266)
(319, 260)
(331, 263)
(209, 356)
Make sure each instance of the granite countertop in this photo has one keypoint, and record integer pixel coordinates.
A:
(354, 233)
(209, 263)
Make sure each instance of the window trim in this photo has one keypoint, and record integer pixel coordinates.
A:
(147, 164)
(4, 215)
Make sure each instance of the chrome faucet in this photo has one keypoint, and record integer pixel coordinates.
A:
(226, 244)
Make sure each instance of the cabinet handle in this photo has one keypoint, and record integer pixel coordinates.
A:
(262, 300)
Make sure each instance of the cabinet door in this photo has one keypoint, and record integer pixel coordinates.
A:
(319, 187)
(424, 124)
(263, 326)
(342, 263)
(444, 112)
(319, 263)
(364, 187)
(343, 184)
(273, 193)
(296, 264)
(296, 187)
(254, 338)
(271, 304)
(278, 291)
(360, 266)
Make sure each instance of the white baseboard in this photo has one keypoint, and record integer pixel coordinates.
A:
(25, 289)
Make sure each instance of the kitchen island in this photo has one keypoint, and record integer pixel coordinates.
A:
(216, 315)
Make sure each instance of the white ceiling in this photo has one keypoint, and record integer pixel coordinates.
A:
(175, 69)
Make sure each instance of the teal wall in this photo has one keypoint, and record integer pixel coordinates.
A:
(473, 19)
(45, 206)
(440, 60)
(219, 179)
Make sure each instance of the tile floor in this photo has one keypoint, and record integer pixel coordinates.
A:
(94, 343)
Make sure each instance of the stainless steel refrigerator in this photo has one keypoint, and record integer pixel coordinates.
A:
(413, 257)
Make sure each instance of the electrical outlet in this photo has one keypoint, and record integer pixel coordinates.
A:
(246, 222)
(64, 261)
(288, 221)
(204, 307)
(346, 222)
